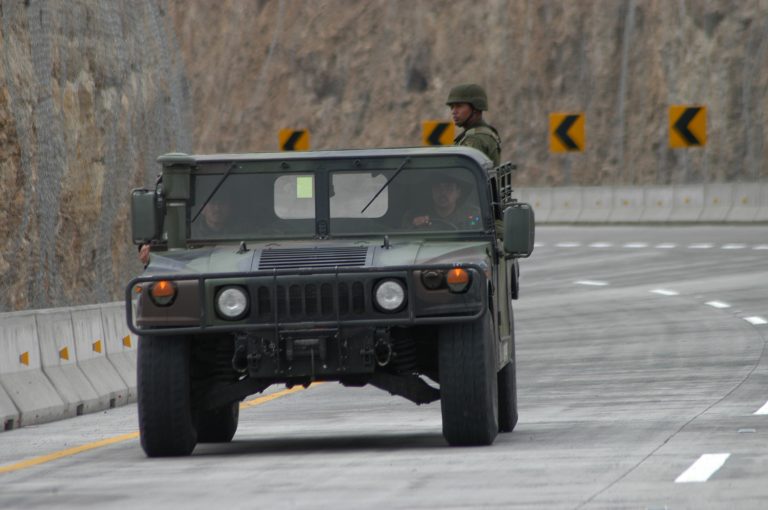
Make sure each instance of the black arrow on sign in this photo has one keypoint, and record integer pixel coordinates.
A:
(681, 126)
(562, 132)
(434, 137)
(290, 143)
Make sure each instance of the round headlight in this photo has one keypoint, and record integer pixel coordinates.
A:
(389, 295)
(231, 303)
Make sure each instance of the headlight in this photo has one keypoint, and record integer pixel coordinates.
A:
(231, 303)
(389, 295)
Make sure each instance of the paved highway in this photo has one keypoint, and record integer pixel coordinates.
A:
(643, 381)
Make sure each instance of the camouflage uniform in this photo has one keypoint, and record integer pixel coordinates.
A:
(481, 135)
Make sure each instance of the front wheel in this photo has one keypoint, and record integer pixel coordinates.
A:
(507, 397)
(164, 399)
(468, 383)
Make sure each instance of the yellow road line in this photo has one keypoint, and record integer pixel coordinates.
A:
(35, 461)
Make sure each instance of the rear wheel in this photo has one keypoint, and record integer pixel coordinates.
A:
(468, 383)
(218, 425)
(164, 400)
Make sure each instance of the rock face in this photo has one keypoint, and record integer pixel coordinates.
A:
(365, 74)
(92, 92)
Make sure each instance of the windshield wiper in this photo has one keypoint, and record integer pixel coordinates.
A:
(399, 169)
(214, 190)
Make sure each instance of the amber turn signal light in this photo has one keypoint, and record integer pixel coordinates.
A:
(163, 292)
(457, 279)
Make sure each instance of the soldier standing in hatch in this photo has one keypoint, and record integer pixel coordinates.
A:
(467, 103)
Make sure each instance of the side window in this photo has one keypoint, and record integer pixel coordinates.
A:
(295, 196)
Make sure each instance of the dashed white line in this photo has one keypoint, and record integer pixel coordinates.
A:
(718, 304)
(666, 246)
(538, 245)
(733, 246)
(700, 246)
(568, 245)
(762, 410)
(636, 245)
(706, 466)
(593, 283)
(665, 292)
(756, 320)
(760, 247)
(601, 245)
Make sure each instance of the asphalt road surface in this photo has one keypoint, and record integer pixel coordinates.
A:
(643, 381)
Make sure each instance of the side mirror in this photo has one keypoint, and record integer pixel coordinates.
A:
(519, 229)
(146, 216)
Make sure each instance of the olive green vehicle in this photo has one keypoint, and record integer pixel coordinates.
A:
(290, 268)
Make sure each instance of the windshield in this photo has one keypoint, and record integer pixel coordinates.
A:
(254, 205)
(260, 205)
(417, 200)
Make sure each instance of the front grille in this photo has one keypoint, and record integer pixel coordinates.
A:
(307, 301)
(292, 258)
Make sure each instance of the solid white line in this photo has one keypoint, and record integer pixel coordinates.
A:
(706, 466)
(735, 246)
(756, 320)
(593, 283)
(718, 304)
(700, 246)
(636, 245)
(601, 245)
(666, 246)
(665, 292)
(763, 410)
(568, 245)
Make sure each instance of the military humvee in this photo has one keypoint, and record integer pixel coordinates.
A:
(381, 267)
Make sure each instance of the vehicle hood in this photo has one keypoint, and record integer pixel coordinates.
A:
(307, 254)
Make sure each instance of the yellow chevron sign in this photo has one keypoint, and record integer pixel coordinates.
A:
(293, 139)
(566, 132)
(437, 132)
(687, 126)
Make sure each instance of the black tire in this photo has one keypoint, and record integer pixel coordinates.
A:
(507, 379)
(164, 401)
(468, 383)
(218, 425)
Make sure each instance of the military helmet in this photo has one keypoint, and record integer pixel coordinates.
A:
(471, 93)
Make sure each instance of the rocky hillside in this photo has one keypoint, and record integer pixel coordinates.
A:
(91, 92)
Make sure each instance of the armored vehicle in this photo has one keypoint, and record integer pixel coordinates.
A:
(389, 267)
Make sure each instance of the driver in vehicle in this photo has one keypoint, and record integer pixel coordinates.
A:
(447, 207)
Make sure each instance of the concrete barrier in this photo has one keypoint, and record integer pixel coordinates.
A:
(746, 203)
(688, 203)
(718, 200)
(59, 361)
(21, 373)
(596, 204)
(9, 415)
(540, 200)
(657, 204)
(92, 358)
(627, 205)
(566, 205)
(762, 213)
(121, 344)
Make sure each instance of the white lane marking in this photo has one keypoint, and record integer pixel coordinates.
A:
(718, 304)
(601, 245)
(636, 245)
(538, 245)
(733, 246)
(568, 245)
(756, 320)
(706, 466)
(700, 246)
(665, 292)
(593, 283)
(762, 410)
(666, 246)
(760, 247)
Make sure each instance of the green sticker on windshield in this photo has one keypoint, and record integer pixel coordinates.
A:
(304, 187)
